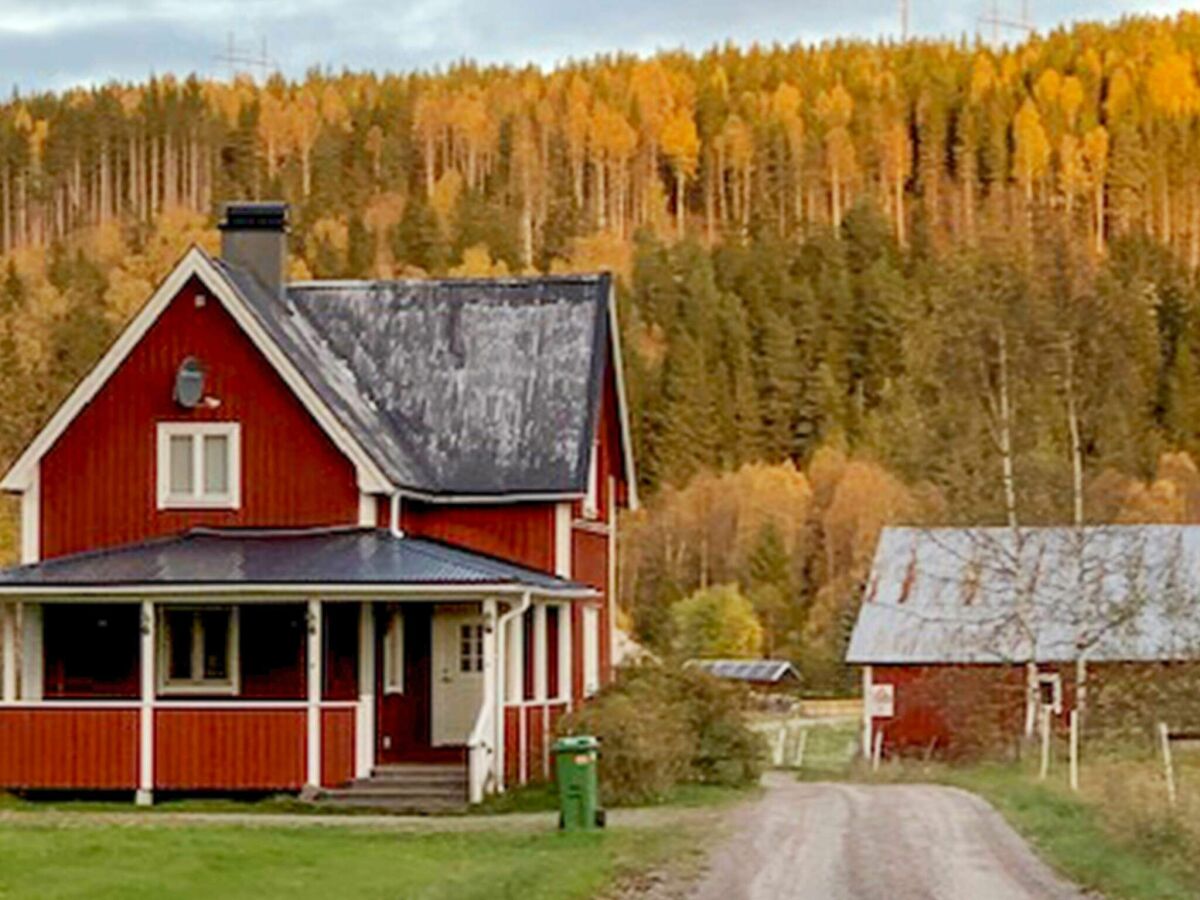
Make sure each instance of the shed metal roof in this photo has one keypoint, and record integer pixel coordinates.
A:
(759, 671)
(239, 557)
(987, 595)
(456, 386)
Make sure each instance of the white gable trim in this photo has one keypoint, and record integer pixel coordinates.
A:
(614, 333)
(195, 263)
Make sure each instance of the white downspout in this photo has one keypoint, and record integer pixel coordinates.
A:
(394, 516)
(502, 681)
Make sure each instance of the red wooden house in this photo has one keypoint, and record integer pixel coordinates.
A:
(308, 535)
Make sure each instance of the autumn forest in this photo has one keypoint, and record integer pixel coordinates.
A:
(859, 283)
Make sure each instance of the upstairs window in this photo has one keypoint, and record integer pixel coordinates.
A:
(199, 465)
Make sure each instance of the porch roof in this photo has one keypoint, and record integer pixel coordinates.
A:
(339, 559)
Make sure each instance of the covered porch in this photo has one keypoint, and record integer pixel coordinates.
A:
(277, 661)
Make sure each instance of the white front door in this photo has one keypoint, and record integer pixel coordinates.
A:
(457, 675)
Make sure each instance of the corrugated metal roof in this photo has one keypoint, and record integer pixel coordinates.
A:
(762, 671)
(954, 595)
(460, 386)
(246, 557)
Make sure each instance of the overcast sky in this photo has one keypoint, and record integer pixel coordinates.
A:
(56, 43)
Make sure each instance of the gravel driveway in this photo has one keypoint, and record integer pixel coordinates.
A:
(873, 842)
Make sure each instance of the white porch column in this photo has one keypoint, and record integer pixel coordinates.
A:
(145, 791)
(313, 777)
(9, 650)
(484, 759)
(365, 731)
(31, 652)
(516, 686)
(866, 705)
(541, 677)
(564, 654)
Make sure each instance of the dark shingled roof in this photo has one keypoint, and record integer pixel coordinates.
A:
(460, 386)
(349, 557)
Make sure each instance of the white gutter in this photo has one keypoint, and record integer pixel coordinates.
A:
(502, 681)
(394, 517)
(197, 592)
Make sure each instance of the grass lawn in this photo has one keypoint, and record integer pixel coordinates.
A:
(1119, 853)
(230, 862)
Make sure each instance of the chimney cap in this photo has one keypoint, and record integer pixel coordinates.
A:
(262, 215)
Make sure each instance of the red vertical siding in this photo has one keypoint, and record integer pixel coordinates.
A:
(512, 745)
(337, 746)
(535, 744)
(98, 481)
(217, 749)
(589, 565)
(75, 749)
(522, 533)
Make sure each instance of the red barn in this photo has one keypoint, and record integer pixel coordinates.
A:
(342, 536)
(964, 631)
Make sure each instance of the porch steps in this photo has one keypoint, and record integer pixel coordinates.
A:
(407, 787)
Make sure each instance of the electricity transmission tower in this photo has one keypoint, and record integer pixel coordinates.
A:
(244, 59)
(1024, 24)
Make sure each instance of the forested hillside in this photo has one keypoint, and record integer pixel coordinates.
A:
(930, 281)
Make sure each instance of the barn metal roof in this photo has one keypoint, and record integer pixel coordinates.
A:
(760, 671)
(977, 595)
(241, 557)
(458, 386)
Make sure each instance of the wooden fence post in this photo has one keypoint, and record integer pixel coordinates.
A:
(878, 751)
(1164, 735)
(1045, 769)
(1075, 750)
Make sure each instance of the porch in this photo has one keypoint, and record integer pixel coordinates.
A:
(253, 685)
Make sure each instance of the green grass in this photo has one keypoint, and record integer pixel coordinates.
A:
(231, 862)
(1120, 859)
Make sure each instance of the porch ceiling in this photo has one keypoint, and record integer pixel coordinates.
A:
(346, 559)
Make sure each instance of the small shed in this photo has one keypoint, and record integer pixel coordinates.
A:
(762, 674)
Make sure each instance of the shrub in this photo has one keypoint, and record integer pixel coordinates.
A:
(660, 727)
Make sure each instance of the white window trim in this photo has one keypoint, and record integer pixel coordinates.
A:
(393, 653)
(1055, 681)
(197, 431)
(169, 686)
(591, 650)
(591, 501)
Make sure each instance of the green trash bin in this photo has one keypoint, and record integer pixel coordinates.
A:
(575, 761)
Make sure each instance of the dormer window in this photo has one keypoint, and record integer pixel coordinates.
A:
(199, 465)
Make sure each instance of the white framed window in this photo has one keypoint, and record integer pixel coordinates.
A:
(591, 501)
(197, 650)
(1050, 691)
(393, 654)
(470, 648)
(591, 650)
(199, 465)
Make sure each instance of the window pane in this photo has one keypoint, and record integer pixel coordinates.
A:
(181, 464)
(179, 645)
(215, 633)
(216, 464)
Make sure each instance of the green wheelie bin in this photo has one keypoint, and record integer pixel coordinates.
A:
(578, 786)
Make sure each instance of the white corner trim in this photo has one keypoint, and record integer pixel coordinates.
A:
(562, 540)
(31, 518)
(366, 510)
(195, 263)
(622, 404)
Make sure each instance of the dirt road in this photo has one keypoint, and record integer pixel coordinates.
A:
(873, 842)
